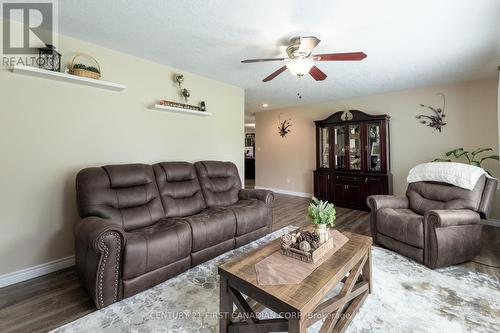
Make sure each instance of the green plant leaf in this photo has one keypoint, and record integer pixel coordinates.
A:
(453, 152)
(457, 153)
(491, 157)
(441, 160)
(321, 212)
(92, 69)
(480, 150)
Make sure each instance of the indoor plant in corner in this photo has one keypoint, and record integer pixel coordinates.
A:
(475, 157)
(322, 214)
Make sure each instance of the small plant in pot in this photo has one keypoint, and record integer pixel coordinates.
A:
(322, 214)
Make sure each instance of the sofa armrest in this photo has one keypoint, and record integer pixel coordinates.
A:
(376, 202)
(98, 250)
(451, 237)
(262, 195)
(448, 218)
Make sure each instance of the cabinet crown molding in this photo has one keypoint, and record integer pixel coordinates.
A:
(357, 115)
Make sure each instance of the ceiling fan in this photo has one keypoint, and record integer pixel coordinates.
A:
(301, 61)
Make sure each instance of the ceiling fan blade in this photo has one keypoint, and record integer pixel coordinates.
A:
(307, 44)
(262, 60)
(339, 56)
(274, 74)
(317, 73)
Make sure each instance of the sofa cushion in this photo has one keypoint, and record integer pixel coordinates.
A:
(125, 194)
(250, 215)
(179, 188)
(220, 182)
(402, 225)
(426, 196)
(155, 246)
(210, 227)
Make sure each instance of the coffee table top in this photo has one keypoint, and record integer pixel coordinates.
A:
(306, 295)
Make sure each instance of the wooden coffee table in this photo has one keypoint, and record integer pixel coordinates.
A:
(299, 305)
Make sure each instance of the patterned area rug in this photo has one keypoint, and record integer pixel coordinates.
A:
(407, 297)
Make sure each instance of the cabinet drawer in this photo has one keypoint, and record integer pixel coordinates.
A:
(351, 179)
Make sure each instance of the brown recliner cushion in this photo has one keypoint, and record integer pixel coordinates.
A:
(220, 182)
(426, 196)
(125, 194)
(210, 227)
(156, 246)
(250, 215)
(179, 188)
(402, 225)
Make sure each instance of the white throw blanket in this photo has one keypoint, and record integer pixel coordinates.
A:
(457, 174)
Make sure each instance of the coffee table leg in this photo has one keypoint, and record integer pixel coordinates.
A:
(297, 325)
(225, 306)
(367, 271)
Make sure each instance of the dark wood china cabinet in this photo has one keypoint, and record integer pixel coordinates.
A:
(352, 158)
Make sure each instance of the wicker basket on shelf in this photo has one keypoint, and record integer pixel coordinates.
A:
(84, 72)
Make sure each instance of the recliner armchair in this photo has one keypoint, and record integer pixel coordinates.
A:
(436, 224)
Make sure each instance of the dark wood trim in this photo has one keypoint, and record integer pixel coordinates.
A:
(318, 156)
(357, 116)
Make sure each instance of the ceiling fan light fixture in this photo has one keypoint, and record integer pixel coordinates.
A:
(300, 67)
(301, 60)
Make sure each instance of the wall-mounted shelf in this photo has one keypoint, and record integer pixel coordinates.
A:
(180, 110)
(58, 76)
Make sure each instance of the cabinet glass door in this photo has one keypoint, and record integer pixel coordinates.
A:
(373, 148)
(339, 136)
(355, 147)
(324, 147)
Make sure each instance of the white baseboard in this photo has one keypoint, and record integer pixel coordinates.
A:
(36, 271)
(492, 222)
(277, 190)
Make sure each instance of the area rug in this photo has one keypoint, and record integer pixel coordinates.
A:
(407, 297)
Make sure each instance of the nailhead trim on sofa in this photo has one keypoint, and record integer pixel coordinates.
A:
(102, 266)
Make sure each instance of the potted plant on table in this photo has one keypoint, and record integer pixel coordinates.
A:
(322, 214)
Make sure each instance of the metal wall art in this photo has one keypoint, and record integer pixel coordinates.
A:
(435, 120)
(185, 93)
(284, 126)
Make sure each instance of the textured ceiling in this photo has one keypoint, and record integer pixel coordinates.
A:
(409, 43)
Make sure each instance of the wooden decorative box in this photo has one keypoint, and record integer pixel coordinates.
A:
(311, 256)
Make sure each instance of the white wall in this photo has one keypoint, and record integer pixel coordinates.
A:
(50, 130)
(471, 115)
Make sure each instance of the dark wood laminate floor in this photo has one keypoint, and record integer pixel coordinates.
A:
(50, 301)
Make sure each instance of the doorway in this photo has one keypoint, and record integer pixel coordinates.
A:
(249, 158)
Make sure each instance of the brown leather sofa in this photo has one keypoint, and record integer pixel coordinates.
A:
(436, 224)
(143, 224)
